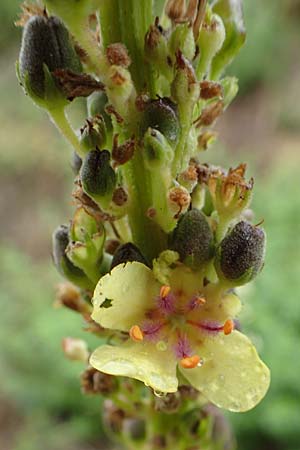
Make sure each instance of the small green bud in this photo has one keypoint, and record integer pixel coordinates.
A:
(46, 46)
(156, 50)
(158, 151)
(182, 38)
(240, 256)
(185, 88)
(232, 15)
(96, 104)
(86, 249)
(210, 41)
(60, 241)
(193, 239)
(93, 134)
(127, 253)
(98, 177)
(161, 115)
(230, 90)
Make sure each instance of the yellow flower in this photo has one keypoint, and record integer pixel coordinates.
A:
(186, 325)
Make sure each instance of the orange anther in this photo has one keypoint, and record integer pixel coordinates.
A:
(164, 291)
(200, 300)
(190, 362)
(228, 326)
(136, 333)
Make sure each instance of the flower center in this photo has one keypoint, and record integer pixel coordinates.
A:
(178, 321)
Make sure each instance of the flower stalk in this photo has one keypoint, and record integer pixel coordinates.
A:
(158, 240)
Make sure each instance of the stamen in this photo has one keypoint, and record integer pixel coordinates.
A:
(136, 333)
(195, 302)
(209, 326)
(164, 291)
(190, 362)
(228, 326)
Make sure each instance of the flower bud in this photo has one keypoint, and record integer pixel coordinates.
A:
(161, 115)
(93, 134)
(98, 177)
(185, 88)
(96, 104)
(86, 249)
(182, 38)
(127, 253)
(240, 256)
(210, 40)
(232, 15)
(156, 49)
(193, 239)
(46, 46)
(75, 349)
(64, 265)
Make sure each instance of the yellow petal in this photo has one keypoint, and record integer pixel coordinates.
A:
(129, 291)
(141, 361)
(232, 376)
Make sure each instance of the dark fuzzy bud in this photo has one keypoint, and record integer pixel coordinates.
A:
(60, 242)
(193, 239)
(161, 115)
(240, 256)
(46, 41)
(76, 163)
(127, 253)
(98, 177)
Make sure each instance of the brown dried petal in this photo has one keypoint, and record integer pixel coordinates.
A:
(77, 84)
(117, 55)
(209, 90)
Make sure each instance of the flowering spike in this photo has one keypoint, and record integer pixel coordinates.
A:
(190, 362)
(136, 333)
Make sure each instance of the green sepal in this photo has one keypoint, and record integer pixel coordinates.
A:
(232, 15)
(96, 104)
(87, 241)
(230, 89)
(157, 150)
(93, 134)
(182, 38)
(210, 41)
(63, 264)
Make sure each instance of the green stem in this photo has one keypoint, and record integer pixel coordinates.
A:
(128, 21)
(135, 18)
(59, 118)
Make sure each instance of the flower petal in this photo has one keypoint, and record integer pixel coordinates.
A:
(232, 376)
(141, 361)
(122, 297)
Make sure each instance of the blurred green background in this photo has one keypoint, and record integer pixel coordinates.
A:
(40, 401)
